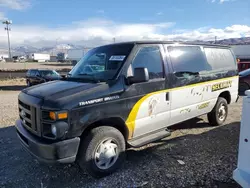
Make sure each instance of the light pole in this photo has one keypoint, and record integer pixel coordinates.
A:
(7, 28)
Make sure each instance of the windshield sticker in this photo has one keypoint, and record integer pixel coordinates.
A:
(94, 101)
(117, 58)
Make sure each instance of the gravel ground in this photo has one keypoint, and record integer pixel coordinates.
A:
(209, 155)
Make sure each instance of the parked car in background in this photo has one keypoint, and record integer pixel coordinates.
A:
(244, 80)
(38, 76)
(243, 64)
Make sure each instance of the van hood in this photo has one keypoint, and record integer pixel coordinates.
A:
(54, 90)
(61, 94)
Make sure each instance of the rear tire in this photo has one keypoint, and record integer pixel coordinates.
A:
(102, 151)
(219, 113)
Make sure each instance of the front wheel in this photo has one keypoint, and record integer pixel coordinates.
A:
(219, 113)
(102, 152)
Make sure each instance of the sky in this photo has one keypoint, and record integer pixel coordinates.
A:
(94, 22)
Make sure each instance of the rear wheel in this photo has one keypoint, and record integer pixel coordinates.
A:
(102, 152)
(219, 113)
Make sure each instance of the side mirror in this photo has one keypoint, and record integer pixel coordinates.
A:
(140, 75)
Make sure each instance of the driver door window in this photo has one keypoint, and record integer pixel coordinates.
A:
(150, 58)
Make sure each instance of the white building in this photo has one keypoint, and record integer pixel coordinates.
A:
(40, 57)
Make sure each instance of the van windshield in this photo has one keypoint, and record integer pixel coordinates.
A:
(102, 63)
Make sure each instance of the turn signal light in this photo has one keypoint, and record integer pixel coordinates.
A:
(58, 115)
(63, 115)
(52, 115)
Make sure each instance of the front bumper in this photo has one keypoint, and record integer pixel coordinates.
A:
(50, 152)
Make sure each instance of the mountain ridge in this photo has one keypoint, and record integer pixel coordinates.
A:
(53, 50)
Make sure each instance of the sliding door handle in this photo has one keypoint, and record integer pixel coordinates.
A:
(167, 96)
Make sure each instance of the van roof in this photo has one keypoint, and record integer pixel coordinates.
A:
(170, 42)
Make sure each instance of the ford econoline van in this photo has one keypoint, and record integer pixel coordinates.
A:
(125, 95)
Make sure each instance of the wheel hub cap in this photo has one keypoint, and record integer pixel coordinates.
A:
(222, 112)
(106, 154)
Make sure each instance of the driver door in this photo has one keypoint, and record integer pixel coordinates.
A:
(151, 105)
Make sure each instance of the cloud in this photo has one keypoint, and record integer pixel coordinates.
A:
(234, 31)
(95, 31)
(15, 4)
(100, 11)
(220, 1)
(82, 32)
(2, 16)
(159, 13)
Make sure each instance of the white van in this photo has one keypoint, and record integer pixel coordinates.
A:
(125, 95)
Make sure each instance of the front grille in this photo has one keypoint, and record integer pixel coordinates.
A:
(27, 114)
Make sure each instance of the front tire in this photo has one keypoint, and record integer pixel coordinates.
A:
(219, 113)
(102, 152)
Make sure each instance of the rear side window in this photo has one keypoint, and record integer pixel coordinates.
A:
(188, 59)
(220, 59)
(150, 58)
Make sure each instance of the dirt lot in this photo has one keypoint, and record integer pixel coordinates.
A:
(50, 65)
(209, 154)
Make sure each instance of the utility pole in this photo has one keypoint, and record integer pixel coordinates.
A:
(114, 39)
(215, 39)
(7, 28)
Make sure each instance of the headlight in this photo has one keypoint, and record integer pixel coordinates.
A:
(59, 129)
(53, 130)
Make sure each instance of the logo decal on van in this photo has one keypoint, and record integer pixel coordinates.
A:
(186, 110)
(151, 105)
(204, 105)
(93, 101)
(222, 85)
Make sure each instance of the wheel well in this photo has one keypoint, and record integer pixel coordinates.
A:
(226, 95)
(115, 122)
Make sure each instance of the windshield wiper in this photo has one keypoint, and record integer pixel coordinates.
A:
(91, 78)
(85, 74)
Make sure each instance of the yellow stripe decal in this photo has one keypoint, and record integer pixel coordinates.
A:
(130, 122)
